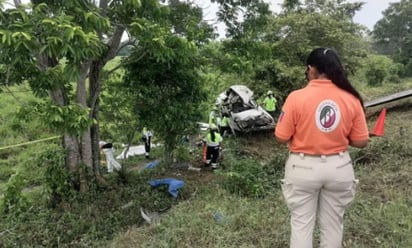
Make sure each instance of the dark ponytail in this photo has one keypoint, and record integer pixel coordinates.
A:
(327, 61)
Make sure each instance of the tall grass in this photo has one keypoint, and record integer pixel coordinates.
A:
(240, 206)
(379, 217)
(19, 159)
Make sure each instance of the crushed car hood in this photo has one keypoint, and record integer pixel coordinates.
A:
(243, 92)
(244, 113)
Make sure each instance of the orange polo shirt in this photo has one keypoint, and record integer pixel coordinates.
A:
(320, 119)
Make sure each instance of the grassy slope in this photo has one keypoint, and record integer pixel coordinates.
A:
(19, 159)
(379, 217)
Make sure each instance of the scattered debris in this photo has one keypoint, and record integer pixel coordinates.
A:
(174, 185)
(133, 151)
(128, 205)
(152, 164)
(150, 218)
(191, 168)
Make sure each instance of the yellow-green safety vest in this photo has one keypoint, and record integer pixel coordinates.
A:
(225, 122)
(209, 141)
(270, 103)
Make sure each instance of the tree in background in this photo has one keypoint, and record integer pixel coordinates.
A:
(57, 46)
(164, 58)
(381, 69)
(167, 87)
(273, 48)
(187, 20)
(393, 33)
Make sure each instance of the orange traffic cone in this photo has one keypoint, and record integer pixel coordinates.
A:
(204, 151)
(379, 127)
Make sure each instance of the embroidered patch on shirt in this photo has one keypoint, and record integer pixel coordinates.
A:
(327, 116)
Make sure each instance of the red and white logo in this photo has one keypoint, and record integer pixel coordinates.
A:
(327, 116)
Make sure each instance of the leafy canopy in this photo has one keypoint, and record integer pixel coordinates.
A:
(393, 33)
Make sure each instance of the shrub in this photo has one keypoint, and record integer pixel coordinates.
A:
(56, 177)
(13, 199)
(377, 69)
(247, 177)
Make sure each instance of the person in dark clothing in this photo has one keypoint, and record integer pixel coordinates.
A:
(213, 141)
(147, 139)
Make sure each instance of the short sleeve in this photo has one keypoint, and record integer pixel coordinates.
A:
(359, 129)
(286, 125)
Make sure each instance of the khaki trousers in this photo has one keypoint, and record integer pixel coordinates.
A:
(322, 187)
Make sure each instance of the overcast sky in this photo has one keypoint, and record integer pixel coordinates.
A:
(370, 13)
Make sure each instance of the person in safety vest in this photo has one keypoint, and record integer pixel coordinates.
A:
(147, 138)
(224, 125)
(213, 142)
(214, 117)
(269, 103)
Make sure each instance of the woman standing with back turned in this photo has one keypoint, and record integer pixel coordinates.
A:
(319, 122)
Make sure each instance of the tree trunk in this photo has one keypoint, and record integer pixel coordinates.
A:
(70, 142)
(17, 3)
(130, 137)
(73, 157)
(72, 146)
(94, 90)
(95, 85)
(168, 154)
(85, 140)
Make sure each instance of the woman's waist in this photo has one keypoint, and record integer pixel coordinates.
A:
(321, 157)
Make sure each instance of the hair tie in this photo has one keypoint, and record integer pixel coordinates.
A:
(325, 51)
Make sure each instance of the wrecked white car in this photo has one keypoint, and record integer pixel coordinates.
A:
(245, 115)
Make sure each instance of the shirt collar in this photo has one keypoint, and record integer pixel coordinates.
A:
(321, 82)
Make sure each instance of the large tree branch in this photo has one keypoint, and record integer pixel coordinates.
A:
(130, 42)
(103, 4)
(17, 3)
(114, 43)
(123, 64)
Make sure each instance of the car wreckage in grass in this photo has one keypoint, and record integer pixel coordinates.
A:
(245, 115)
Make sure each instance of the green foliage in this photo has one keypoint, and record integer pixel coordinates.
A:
(253, 12)
(182, 153)
(187, 21)
(164, 82)
(377, 69)
(247, 177)
(167, 94)
(273, 55)
(29, 34)
(56, 179)
(295, 34)
(393, 35)
(13, 200)
(408, 68)
(14, 131)
(398, 148)
(118, 120)
(89, 219)
(279, 78)
(71, 119)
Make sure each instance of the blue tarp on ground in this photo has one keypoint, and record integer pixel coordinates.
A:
(174, 185)
(152, 164)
